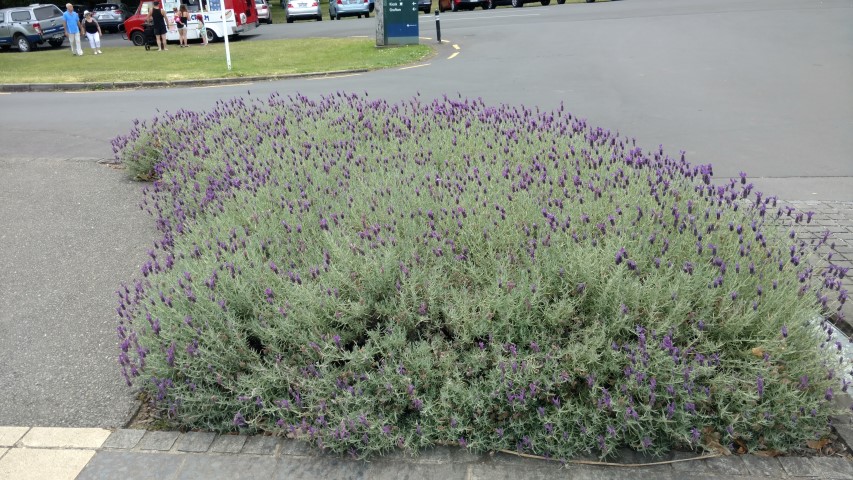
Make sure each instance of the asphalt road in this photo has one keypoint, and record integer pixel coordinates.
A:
(761, 86)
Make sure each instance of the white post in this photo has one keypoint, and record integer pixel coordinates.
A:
(225, 34)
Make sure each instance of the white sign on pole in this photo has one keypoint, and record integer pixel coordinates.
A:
(225, 36)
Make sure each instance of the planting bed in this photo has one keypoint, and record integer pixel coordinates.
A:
(373, 276)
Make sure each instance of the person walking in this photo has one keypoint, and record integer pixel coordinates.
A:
(71, 22)
(93, 32)
(158, 19)
(182, 19)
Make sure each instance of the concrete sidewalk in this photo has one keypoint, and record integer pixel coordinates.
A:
(89, 454)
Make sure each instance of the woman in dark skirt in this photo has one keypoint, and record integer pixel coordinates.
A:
(158, 18)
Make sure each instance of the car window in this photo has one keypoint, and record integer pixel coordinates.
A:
(21, 16)
(47, 11)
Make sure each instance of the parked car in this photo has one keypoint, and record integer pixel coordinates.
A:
(264, 14)
(80, 9)
(111, 16)
(301, 9)
(425, 6)
(348, 8)
(30, 26)
(489, 4)
(456, 5)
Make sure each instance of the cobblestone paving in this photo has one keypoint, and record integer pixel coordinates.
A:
(128, 452)
(837, 217)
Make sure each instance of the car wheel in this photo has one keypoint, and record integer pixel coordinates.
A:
(23, 44)
(428, 9)
(211, 36)
(590, 1)
(560, 2)
(269, 21)
(137, 38)
(545, 3)
(289, 20)
(56, 43)
(367, 15)
(517, 3)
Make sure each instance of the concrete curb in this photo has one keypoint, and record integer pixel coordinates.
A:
(96, 86)
(126, 453)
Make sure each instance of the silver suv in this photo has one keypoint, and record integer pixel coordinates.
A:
(111, 16)
(30, 26)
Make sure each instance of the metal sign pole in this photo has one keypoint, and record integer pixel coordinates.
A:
(225, 35)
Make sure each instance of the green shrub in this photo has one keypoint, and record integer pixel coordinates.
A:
(373, 276)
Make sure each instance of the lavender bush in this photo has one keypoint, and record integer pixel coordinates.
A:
(373, 276)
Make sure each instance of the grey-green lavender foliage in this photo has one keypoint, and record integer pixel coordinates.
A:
(373, 276)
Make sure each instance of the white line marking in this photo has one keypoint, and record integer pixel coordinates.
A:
(456, 18)
(222, 85)
(359, 36)
(454, 54)
(415, 66)
(455, 47)
(335, 76)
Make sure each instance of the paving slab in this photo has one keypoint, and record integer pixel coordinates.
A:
(10, 435)
(195, 441)
(208, 467)
(692, 465)
(415, 471)
(491, 471)
(799, 466)
(627, 456)
(260, 445)
(228, 444)
(730, 465)
(833, 467)
(43, 464)
(297, 448)
(112, 465)
(50, 437)
(161, 441)
(125, 438)
(763, 466)
(325, 468)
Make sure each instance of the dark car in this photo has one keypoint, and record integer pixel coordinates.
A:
(80, 9)
(111, 16)
(456, 5)
(425, 5)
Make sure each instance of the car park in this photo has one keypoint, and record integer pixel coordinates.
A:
(31, 26)
(111, 16)
(348, 8)
(264, 13)
(301, 10)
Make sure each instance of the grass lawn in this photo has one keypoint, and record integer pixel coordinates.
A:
(272, 57)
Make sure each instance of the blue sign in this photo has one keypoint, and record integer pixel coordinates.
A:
(400, 22)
